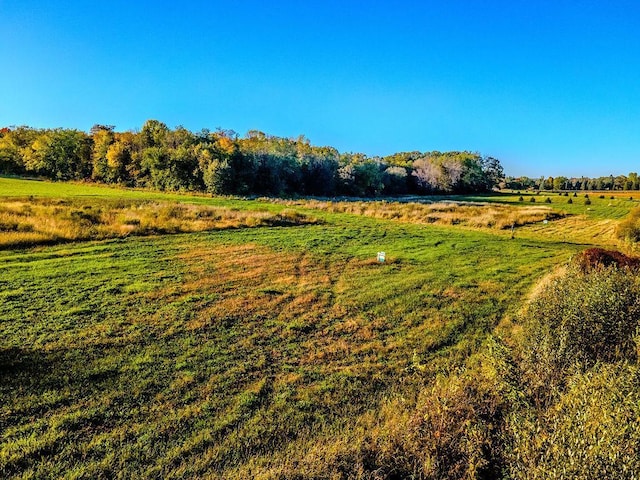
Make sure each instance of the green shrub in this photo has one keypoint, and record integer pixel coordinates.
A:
(532, 199)
(578, 319)
(629, 228)
(459, 419)
(547, 200)
(570, 201)
(587, 202)
(592, 432)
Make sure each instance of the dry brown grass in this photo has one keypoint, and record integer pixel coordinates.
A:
(476, 215)
(44, 221)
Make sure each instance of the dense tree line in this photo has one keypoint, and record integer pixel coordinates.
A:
(619, 182)
(220, 162)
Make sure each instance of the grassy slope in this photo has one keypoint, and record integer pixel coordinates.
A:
(236, 353)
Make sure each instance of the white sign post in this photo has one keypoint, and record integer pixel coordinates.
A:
(381, 257)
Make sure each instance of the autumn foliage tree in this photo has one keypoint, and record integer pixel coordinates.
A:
(221, 162)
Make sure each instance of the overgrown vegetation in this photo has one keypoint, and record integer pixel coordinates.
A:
(30, 222)
(472, 214)
(629, 228)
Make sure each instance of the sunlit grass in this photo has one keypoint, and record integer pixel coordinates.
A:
(25, 222)
(261, 352)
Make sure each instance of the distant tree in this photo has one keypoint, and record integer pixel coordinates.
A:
(60, 154)
(13, 144)
(493, 172)
(122, 168)
(394, 180)
(428, 174)
(218, 177)
(153, 134)
(103, 137)
(619, 182)
(319, 174)
(368, 178)
(346, 180)
(560, 183)
(155, 172)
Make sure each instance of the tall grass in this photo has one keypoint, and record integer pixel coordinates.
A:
(442, 213)
(629, 228)
(28, 222)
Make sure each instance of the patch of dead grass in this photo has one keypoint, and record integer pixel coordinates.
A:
(476, 215)
(36, 221)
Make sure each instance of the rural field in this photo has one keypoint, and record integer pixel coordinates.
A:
(155, 335)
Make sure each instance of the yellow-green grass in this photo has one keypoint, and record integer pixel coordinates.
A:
(19, 188)
(503, 215)
(36, 221)
(471, 214)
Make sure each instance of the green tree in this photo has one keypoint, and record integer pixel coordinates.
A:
(560, 183)
(395, 180)
(493, 172)
(13, 142)
(60, 154)
(102, 137)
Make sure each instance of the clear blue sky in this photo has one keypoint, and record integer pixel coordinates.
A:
(548, 87)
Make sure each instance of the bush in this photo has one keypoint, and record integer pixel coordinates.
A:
(547, 200)
(629, 228)
(587, 202)
(592, 432)
(459, 419)
(579, 318)
(521, 199)
(595, 258)
(532, 199)
(570, 201)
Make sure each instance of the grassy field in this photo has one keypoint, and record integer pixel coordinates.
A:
(257, 349)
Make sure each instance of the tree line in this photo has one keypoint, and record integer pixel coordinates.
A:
(619, 182)
(221, 162)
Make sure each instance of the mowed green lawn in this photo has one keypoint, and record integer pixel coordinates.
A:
(244, 353)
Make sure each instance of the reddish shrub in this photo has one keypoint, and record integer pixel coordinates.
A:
(598, 257)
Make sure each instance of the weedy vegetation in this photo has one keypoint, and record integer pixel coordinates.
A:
(169, 336)
(29, 222)
(443, 212)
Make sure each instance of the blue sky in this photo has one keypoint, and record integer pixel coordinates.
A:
(548, 87)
